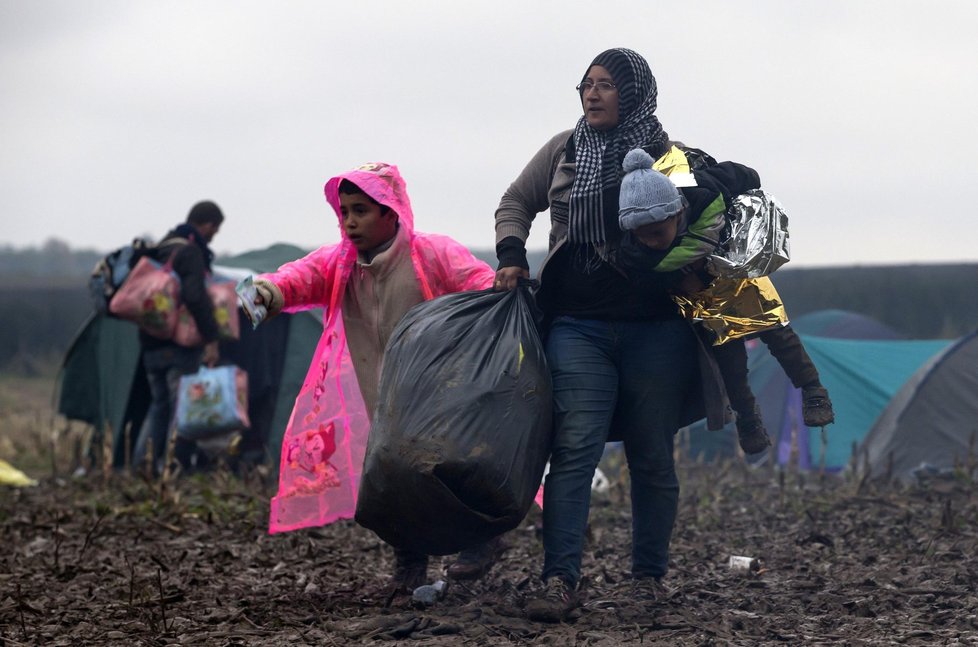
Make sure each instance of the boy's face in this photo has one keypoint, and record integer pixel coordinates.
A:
(363, 223)
(658, 235)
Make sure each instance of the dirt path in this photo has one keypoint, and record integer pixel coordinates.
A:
(103, 563)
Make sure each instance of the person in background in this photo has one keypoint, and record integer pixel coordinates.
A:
(366, 283)
(188, 246)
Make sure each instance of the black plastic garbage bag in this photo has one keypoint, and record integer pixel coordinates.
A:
(462, 430)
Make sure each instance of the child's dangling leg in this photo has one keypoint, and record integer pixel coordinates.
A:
(731, 358)
(786, 347)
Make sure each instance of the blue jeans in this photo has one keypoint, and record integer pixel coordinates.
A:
(164, 368)
(635, 374)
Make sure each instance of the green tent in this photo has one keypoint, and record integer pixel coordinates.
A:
(101, 381)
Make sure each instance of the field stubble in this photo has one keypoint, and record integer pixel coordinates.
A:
(108, 559)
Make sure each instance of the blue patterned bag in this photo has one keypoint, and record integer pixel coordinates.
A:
(212, 401)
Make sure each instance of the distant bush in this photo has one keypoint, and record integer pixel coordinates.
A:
(45, 299)
(921, 301)
(54, 260)
(38, 323)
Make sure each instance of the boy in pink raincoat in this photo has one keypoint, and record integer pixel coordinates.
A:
(365, 284)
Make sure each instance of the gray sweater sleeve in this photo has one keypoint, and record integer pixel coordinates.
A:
(528, 194)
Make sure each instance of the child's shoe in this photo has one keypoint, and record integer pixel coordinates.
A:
(410, 572)
(752, 434)
(816, 408)
(475, 562)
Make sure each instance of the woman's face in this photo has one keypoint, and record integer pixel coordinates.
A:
(600, 106)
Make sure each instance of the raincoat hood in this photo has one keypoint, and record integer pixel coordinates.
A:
(380, 181)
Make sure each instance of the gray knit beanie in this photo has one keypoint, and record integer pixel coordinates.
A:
(646, 195)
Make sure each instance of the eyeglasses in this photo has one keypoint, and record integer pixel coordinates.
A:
(601, 86)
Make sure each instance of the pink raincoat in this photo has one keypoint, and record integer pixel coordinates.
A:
(325, 441)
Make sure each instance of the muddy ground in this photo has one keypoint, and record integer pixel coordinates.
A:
(107, 560)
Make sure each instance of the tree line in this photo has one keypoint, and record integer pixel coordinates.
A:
(45, 298)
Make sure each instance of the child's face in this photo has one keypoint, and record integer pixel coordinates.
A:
(658, 235)
(363, 222)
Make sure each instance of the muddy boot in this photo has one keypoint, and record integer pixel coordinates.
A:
(410, 572)
(475, 562)
(816, 408)
(751, 433)
(648, 589)
(553, 603)
(509, 601)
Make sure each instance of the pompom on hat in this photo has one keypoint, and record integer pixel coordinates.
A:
(646, 195)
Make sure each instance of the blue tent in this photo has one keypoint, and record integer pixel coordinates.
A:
(861, 362)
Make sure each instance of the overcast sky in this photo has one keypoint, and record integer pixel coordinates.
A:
(116, 117)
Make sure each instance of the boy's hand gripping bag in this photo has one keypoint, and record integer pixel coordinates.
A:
(211, 402)
(462, 430)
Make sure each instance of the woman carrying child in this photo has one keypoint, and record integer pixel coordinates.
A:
(624, 362)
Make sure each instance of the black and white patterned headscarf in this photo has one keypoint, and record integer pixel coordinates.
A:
(594, 196)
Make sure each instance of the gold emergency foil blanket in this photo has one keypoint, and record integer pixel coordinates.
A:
(673, 162)
(732, 308)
